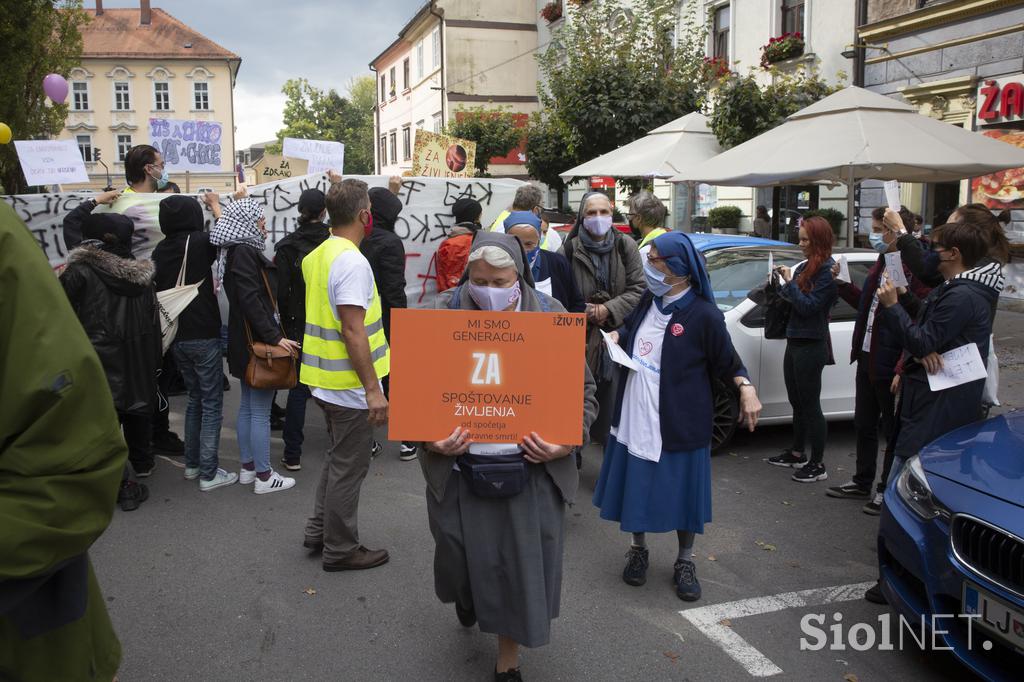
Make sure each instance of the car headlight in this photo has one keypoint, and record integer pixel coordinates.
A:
(913, 489)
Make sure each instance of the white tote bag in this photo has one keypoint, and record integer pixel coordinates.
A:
(173, 301)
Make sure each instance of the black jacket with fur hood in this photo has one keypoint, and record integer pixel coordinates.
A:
(115, 300)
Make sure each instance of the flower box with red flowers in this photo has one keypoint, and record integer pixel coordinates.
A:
(715, 68)
(786, 46)
(552, 11)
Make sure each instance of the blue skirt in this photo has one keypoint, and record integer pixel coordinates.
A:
(655, 497)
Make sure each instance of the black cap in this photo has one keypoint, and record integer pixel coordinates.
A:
(467, 210)
(312, 203)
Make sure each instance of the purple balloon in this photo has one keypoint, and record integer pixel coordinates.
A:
(56, 88)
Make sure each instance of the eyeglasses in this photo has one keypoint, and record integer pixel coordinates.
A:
(656, 259)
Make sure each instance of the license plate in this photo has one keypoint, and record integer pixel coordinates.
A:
(995, 616)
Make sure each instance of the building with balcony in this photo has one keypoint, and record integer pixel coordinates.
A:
(140, 63)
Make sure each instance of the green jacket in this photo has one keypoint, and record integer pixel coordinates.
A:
(61, 460)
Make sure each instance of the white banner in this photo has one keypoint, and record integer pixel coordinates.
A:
(51, 162)
(424, 222)
(322, 155)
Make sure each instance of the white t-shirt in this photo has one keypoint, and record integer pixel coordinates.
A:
(640, 424)
(554, 240)
(350, 283)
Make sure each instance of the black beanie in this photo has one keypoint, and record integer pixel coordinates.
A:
(467, 210)
(180, 213)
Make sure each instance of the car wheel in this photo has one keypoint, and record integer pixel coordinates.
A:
(725, 413)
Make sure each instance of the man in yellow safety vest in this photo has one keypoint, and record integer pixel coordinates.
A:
(344, 357)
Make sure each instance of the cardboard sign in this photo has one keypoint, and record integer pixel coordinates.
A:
(193, 146)
(323, 155)
(51, 162)
(485, 371)
(443, 156)
(269, 168)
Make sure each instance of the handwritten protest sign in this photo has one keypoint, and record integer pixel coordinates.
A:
(269, 168)
(443, 156)
(959, 366)
(894, 269)
(486, 378)
(322, 155)
(188, 145)
(423, 223)
(51, 162)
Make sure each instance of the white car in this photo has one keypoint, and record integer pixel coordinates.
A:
(736, 266)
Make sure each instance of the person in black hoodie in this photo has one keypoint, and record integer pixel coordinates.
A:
(291, 296)
(383, 248)
(113, 296)
(196, 348)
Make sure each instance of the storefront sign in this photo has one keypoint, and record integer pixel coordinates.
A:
(443, 156)
(1001, 100)
(485, 371)
(601, 182)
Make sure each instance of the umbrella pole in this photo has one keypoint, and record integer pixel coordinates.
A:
(850, 207)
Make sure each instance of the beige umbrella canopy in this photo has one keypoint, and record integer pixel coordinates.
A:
(662, 153)
(854, 135)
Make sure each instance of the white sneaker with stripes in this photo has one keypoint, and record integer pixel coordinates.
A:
(275, 484)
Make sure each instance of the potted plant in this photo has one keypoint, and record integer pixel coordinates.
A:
(552, 11)
(714, 69)
(725, 219)
(835, 218)
(786, 46)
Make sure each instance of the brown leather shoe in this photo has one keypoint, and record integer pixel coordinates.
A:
(360, 559)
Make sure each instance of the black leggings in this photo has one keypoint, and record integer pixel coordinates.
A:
(802, 367)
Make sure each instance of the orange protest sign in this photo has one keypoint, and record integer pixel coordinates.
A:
(488, 372)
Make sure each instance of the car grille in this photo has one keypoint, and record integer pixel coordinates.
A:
(989, 551)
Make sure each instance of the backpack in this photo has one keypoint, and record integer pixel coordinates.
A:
(292, 294)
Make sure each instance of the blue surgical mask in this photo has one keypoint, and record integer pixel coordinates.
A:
(532, 256)
(655, 280)
(162, 181)
(877, 243)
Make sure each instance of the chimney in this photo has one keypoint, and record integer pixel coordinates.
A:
(145, 13)
(99, 7)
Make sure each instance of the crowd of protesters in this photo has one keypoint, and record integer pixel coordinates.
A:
(325, 299)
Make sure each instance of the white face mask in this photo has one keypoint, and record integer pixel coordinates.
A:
(494, 298)
(598, 225)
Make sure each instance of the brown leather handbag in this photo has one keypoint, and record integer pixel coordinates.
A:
(269, 366)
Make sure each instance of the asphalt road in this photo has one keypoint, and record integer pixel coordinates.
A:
(216, 586)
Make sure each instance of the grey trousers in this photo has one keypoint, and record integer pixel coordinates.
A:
(336, 507)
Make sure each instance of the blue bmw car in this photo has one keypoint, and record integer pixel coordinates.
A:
(951, 545)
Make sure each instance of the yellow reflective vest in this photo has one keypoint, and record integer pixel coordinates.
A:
(652, 235)
(325, 358)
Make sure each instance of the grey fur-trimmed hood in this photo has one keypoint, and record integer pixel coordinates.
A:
(111, 268)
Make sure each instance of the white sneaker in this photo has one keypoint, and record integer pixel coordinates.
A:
(246, 476)
(191, 473)
(219, 480)
(275, 484)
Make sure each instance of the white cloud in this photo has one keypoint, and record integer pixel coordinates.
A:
(257, 115)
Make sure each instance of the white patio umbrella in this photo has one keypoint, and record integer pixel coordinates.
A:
(854, 135)
(662, 153)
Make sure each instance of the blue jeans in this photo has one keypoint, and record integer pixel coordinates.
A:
(202, 369)
(294, 422)
(254, 426)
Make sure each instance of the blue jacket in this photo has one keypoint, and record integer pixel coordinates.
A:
(690, 362)
(563, 287)
(808, 318)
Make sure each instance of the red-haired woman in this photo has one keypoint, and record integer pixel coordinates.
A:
(811, 291)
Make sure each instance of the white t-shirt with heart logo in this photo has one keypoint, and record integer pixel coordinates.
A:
(639, 426)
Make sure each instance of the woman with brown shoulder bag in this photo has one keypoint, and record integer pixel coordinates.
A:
(259, 355)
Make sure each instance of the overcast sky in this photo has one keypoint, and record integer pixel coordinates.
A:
(328, 43)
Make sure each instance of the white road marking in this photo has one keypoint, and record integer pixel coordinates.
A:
(707, 619)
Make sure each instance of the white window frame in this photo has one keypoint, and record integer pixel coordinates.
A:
(121, 153)
(420, 66)
(74, 98)
(156, 98)
(435, 47)
(406, 142)
(393, 73)
(382, 150)
(127, 95)
(437, 122)
(90, 156)
(393, 143)
(195, 96)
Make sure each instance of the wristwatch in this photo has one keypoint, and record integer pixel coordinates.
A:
(745, 382)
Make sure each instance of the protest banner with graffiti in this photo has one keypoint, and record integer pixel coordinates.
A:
(188, 145)
(424, 222)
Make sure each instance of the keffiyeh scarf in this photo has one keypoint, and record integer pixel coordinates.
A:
(237, 225)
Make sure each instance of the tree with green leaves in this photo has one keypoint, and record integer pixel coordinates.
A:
(38, 37)
(314, 114)
(549, 150)
(494, 131)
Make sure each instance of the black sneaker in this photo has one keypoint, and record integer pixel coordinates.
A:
(144, 472)
(809, 473)
(168, 444)
(467, 617)
(375, 449)
(408, 452)
(685, 578)
(635, 572)
(849, 491)
(787, 459)
(131, 495)
(512, 675)
(874, 594)
(874, 507)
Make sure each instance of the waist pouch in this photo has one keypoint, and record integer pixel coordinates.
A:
(494, 476)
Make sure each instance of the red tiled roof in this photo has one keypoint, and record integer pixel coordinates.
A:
(118, 33)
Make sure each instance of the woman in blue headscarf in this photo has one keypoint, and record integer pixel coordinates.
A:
(656, 475)
(551, 272)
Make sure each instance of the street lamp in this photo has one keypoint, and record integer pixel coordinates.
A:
(851, 49)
